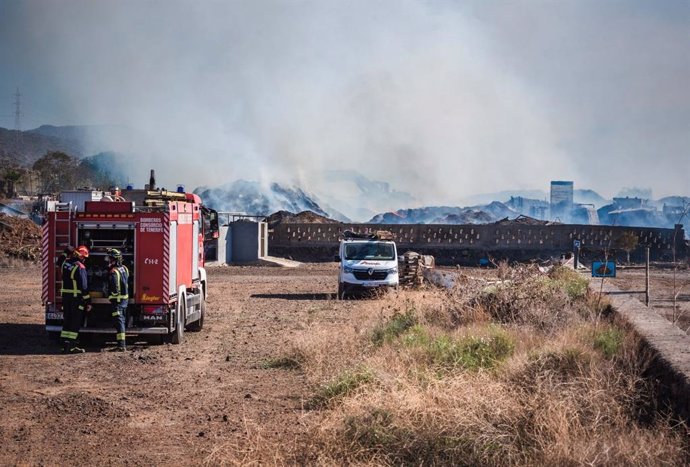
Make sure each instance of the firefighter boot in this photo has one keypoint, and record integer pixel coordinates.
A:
(71, 347)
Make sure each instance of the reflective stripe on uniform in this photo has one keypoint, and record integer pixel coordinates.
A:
(116, 313)
(117, 293)
(120, 336)
(86, 297)
(69, 335)
(118, 297)
(74, 282)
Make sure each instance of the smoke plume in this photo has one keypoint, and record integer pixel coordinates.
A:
(441, 99)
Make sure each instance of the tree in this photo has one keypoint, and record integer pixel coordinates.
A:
(101, 170)
(628, 242)
(57, 171)
(12, 177)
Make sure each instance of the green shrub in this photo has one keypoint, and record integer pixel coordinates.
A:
(574, 284)
(608, 341)
(470, 353)
(396, 325)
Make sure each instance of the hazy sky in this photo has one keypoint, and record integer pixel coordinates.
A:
(441, 98)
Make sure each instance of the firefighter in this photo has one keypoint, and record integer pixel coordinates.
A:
(76, 300)
(118, 294)
(67, 253)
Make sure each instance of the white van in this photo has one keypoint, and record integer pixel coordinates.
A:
(366, 263)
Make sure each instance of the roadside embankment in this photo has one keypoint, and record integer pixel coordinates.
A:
(670, 346)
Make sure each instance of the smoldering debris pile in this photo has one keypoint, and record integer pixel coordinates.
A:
(304, 217)
(19, 238)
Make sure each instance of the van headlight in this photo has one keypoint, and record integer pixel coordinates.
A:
(392, 270)
(348, 269)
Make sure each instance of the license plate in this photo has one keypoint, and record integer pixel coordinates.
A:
(54, 315)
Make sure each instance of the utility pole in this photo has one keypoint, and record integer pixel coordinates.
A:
(17, 117)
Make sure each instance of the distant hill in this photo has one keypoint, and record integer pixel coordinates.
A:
(70, 132)
(32, 146)
(75, 140)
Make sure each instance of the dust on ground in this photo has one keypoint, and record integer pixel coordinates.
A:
(177, 404)
(161, 404)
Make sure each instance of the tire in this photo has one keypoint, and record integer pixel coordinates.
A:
(54, 336)
(341, 291)
(177, 337)
(197, 326)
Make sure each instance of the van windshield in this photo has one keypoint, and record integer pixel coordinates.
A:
(370, 250)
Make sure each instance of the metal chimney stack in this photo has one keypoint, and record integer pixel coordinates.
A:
(152, 180)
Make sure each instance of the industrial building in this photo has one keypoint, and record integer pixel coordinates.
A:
(561, 200)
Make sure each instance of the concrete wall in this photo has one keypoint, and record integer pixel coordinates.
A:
(465, 244)
(241, 242)
(670, 346)
(224, 247)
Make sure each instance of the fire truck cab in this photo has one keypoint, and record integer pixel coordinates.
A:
(161, 237)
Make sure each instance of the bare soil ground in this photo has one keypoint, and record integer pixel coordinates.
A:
(210, 400)
(160, 404)
(661, 284)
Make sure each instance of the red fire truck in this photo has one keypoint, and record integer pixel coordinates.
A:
(161, 235)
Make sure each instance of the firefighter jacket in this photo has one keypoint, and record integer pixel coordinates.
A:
(117, 283)
(74, 281)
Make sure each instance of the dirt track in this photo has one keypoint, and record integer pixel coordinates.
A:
(159, 404)
(165, 404)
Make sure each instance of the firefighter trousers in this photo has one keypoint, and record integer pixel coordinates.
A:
(119, 318)
(73, 308)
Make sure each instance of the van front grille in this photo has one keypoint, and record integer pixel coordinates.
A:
(374, 276)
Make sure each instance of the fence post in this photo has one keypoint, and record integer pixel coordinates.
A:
(646, 289)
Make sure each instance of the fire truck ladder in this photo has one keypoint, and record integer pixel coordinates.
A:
(62, 234)
(63, 229)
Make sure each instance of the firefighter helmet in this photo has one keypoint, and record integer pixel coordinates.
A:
(82, 251)
(114, 253)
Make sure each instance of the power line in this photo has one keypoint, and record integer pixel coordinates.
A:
(18, 117)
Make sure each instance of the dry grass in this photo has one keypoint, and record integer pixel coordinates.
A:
(522, 371)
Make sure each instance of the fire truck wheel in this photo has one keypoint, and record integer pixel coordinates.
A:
(196, 326)
(178, 335)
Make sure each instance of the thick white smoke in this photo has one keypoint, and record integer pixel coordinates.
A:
(442, 99)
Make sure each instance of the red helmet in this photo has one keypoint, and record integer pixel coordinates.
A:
(82, 251)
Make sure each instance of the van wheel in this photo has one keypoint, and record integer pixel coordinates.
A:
(341, 291)
(196, 326)
(177, 336)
